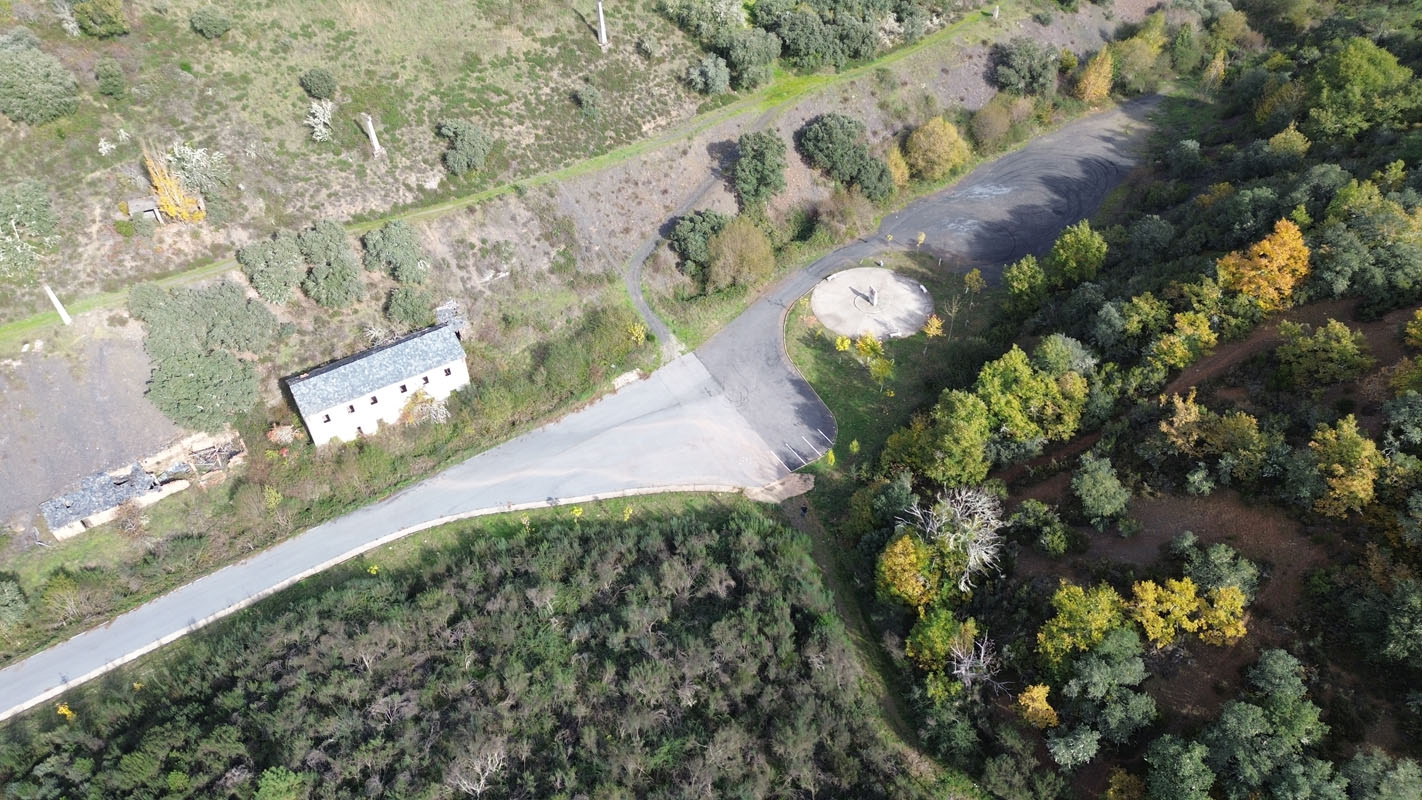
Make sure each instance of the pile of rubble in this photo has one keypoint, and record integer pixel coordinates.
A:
(202, 458)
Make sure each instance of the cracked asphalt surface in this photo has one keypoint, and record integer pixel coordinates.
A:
(734, 414)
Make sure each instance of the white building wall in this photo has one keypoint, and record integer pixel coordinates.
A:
(354, 418)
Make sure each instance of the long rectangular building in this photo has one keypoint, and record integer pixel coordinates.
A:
(354, 396)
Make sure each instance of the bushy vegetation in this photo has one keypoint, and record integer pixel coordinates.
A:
(681, 656)
(34, 87)
(835, 143)
(759, 172)
(410, 307)
(334, 278)
(110, 78)
(101, 18)
(469, 146)
(394, 248)
(274, 267)
(691, 238)
(1024, 66)
(710, 75)
(210, 23)
(195, 338)
(27, 225)
(318, 83)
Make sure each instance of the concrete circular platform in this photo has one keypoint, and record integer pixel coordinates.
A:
(871, 300)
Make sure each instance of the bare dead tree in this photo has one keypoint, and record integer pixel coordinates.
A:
(976, 662)
(472, 772)
(964, 520)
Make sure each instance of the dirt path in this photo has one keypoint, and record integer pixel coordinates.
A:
(876, 663)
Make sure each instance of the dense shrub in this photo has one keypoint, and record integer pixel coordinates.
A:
(193, 338)
(410, 307)
(1024, 66)
(109, 76)
(759, 172)
(204, 391)
(34, 87)
(209, 22)
(835, 144)
(273, 266)
(334, 280)
(749, 54)
(991, 124)
(101, 18)
(1102, 496)
(318, 83)
(1331, 354)
(740, 255)
(469, 146)
(394, 248)
(1356, 87)
(935, 149)
(710, 75)
(588, 99)
(691, 238)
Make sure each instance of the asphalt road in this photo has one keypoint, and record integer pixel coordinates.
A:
(1000, 212)
(733, 415)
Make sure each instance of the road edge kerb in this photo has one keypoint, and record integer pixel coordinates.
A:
(366, 547)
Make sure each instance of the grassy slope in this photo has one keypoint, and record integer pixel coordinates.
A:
(785, 90)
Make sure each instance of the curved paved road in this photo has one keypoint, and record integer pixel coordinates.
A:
(1000, 212)
(734, 415)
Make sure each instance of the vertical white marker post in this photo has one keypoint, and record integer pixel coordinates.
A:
(601, 27)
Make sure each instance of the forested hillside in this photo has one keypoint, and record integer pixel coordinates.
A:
(1166, 544)
(680, 657)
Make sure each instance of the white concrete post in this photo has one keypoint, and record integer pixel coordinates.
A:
(995, 11)
(58, 306)
(369, 124)
(873, 297)
(601, 27)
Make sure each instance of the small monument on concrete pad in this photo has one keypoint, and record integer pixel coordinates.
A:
(888, 306)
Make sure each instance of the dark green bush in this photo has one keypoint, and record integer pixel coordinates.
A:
(273, 266)
(1025, 67)
(468, 145)
(759, 172)
(394, 248)
(691, 238)
(334, 280)
(710, 75)
(410, 307)
(318, 83)
(110, 78)
(101, 18)
(209, 22)
(835, 143)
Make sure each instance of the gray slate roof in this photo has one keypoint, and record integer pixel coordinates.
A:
(97, 492)
(357, 376)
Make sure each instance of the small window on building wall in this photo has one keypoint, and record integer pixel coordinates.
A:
(326, 418)
(350, 409)
(374, 399)
(448, 372)
(403, 389)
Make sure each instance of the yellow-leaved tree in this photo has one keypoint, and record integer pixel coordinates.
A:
(1269, 269)
(1084, 617)
(1222, 616)
(1095, 82)
(1033, 706)
(1348, 461)
(904, 572)
(1164, 611)
(173, 200)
